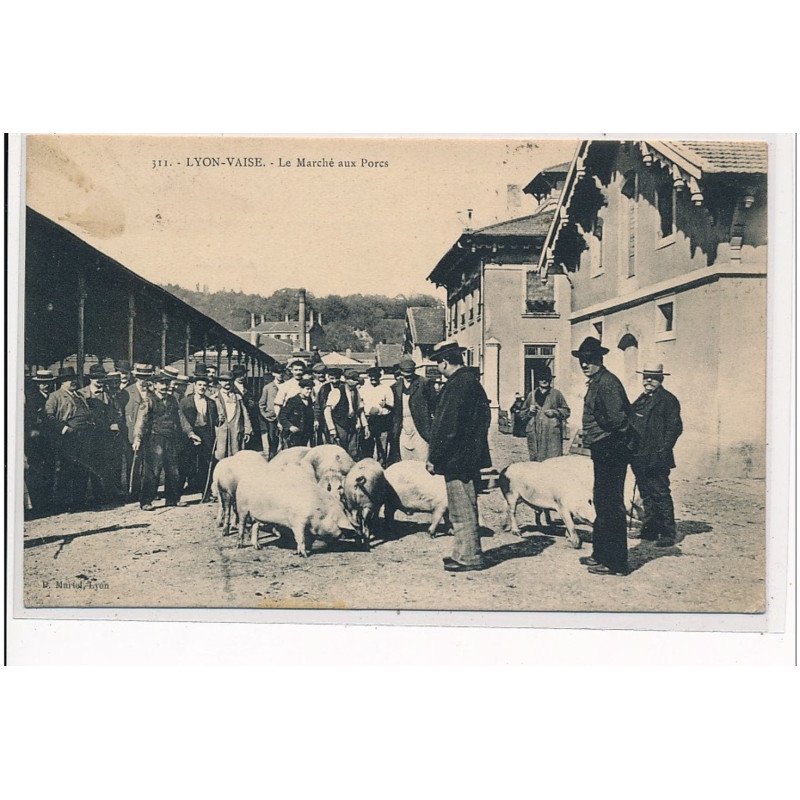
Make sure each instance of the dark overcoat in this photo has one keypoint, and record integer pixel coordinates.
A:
(190, 411)
(656, 420)
(459, 444)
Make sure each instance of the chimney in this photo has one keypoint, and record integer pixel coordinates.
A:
(311, 318)
(254, 337)
(301, 318)
(286, 318)
(252, 320)
(513, 198)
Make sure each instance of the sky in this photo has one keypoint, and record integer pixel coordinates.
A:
(158, 206)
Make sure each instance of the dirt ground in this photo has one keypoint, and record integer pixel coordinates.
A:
(125, 557)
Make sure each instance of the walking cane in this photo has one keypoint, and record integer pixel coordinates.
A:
(211, 463)
(630, 515)
(134, 464)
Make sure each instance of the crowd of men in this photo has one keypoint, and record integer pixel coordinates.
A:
(124, 433)
(119, 436)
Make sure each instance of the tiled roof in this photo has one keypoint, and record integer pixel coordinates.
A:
(724, 157)
(292, 326)
(274, 347)
(533, 225)
(388, 354)
(427, 324)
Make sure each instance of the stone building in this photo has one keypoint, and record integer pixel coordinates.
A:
(510, 323)
(664, 245)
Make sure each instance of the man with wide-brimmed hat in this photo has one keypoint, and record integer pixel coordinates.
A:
(234, 428)
(158, 434)
(39, 454)
(459, 450)
(606, 432)
(414, 400)
(656, 419)
(546, 411)
(377, 400)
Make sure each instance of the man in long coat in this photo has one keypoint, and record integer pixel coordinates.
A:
(159, 432)
(656, 418)
(459, 449)
(201, 413)
(606, 432)
(134, 396)
(39, 449)
(72, 426)
(547, 411)
(234, 429)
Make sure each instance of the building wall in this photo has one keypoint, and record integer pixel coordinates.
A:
(505, 292)
(716, 353)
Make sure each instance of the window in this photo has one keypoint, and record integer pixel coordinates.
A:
(596, 248)
(629, 345)
(665, 202)
(628, 216)
(665, 319)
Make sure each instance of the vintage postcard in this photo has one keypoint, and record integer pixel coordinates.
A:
(415, 374)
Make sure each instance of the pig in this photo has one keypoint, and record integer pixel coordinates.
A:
(287, 497)
(292, 455)
(410, 488)
(227, 474)
(363, 494)
(562, 484)
(325, 457)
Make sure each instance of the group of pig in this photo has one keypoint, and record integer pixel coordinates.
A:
(318, 491)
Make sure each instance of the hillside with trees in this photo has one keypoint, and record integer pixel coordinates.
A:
(380, 316)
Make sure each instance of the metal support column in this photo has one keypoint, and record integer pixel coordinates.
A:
(164, 326)
(186, 349)
(81, 354)
(131, 317)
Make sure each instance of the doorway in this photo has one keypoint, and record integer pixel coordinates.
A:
(537, 356)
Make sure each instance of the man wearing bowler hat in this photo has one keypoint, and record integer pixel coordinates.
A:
(656, 419)
(606, 432)
(234, 429)
(72, 427)
(39, 443)
(108, 426)
(133, 398)
(201, 413)
(459, 449)
(269, 417)
(159, 430)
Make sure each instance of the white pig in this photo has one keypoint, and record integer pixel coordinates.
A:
(290, 498)
(364, 492)
(562, 484)
(227, 474)
(412, 488)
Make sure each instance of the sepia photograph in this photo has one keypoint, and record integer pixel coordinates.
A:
(409, 373)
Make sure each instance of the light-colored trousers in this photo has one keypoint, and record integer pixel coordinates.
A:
(462, 505)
